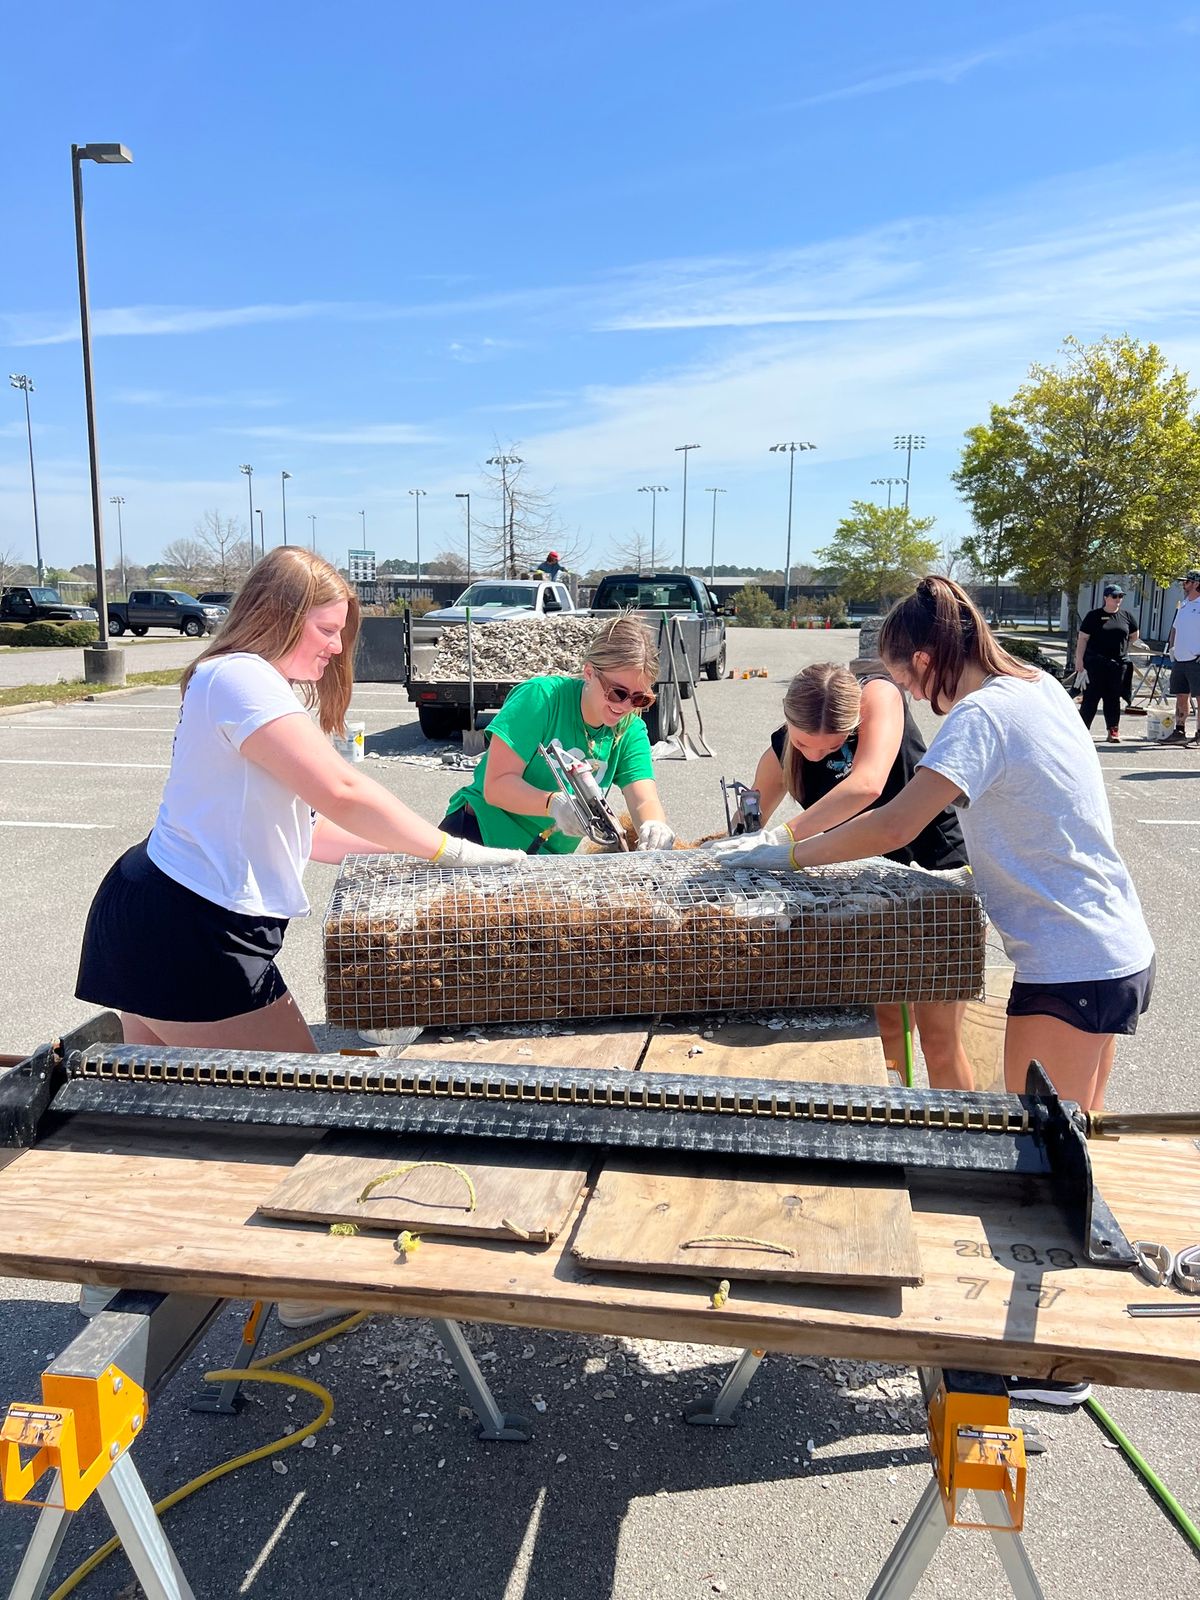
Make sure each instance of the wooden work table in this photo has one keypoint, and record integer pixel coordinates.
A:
(174, 1208)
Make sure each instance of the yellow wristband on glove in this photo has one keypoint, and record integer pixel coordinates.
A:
(440, 851)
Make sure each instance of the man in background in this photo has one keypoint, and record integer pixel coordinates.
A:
(1183, 646)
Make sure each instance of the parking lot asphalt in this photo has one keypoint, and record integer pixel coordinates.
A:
(152, 654)
(614, 1495)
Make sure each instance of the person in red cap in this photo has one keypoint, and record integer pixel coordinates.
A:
(552, 567)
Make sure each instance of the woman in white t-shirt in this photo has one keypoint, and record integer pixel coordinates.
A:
(182, 935)
(1016, 762)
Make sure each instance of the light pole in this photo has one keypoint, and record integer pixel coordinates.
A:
(417, 495)
(283, 478)
(712, 554)
(249, 471)
(98, 667)
(464, 494)
(363, 515)
(262, 537)
(507, 510)
(683, 536)
(909, 442)
(118, 500)
(653, 490)
(790, 447)
(20, 381)
(890, 482)
(312, 522)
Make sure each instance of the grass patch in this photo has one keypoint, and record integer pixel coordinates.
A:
(60, 693)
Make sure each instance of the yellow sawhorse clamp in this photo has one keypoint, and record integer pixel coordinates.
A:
(975, 1452)
(82, 1427)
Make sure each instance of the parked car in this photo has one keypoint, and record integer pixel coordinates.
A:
(672, 594)
(23, 603)
(497, 600)
(219, 597)
(163, 608)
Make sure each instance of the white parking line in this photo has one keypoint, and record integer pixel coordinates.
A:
(88, 727)
(1170, 822)
(124, 766)
(101, 827)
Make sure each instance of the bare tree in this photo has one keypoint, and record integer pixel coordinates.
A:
(446, 564)
(634, 555)
(10, 566)
(226, 546)
(514, 525)
(186, 559)
(955, 562)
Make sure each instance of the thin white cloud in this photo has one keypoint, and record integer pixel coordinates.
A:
(138, 321)
(378, 433)
(948, 71)
(166, 400)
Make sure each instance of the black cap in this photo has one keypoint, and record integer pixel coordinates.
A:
(1114, 589)
(1191, 577)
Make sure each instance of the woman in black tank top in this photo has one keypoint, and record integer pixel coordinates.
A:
(847, 746)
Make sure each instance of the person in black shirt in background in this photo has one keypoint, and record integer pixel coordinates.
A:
(845, 747)
(1105, 635)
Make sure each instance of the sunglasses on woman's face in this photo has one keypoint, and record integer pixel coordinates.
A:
(618, 695)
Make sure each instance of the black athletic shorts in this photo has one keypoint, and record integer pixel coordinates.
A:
(166, 953)
(1185, 677)
(1109, 1005)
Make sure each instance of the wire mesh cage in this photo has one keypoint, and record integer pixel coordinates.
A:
(409, 945)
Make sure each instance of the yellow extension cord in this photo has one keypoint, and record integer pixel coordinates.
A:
(255, 1373)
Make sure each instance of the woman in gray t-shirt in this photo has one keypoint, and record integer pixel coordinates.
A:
(1016, 762)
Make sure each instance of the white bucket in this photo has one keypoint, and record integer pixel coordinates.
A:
(1160, 722)
(353, 746)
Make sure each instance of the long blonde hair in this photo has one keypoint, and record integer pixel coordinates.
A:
(624, 642)
(267, 618)
(823, 698)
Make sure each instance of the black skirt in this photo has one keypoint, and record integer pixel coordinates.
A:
(161, 951)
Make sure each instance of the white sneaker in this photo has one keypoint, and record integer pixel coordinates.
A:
(306, 1313)
(94, 1298)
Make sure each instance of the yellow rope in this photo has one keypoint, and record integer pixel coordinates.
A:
(738, 1238)
(407, 1243)
(255, 1373)
(413, 1166)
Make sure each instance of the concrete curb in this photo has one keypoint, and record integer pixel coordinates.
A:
(29, 705)
(120, 694)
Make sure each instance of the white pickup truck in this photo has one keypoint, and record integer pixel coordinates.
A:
(496, 600)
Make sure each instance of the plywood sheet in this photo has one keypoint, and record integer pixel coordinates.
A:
(522, 1192)
(616, 1046)
(768, 1227)
(846, 1054)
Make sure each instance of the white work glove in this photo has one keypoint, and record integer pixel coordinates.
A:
(655, 836)
(763, 851)
(743, 842)
(564, 817)
(466, 853)
(1081, 679)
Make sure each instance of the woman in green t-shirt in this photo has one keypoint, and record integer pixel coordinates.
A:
(513, 800)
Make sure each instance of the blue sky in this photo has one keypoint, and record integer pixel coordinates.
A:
(367, 245)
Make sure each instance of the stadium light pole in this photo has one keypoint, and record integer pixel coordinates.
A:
(118, 500)
(790, 448)
(283, 478)
(464, 494)
(262, 533)
(103, 155)
(312, 521)
(712, 554)
(909, 442)
(363, 515)
(507, 513)
(19, 380)
(249, 471)
(417, 495)
(683, 536)
(890, 482)
(653, 490)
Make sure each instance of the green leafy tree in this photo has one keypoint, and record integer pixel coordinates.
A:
(878, 553)
(1092, 467)
(755, 608)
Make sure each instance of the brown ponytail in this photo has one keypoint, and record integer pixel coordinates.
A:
(823, 698)
(941, 620)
